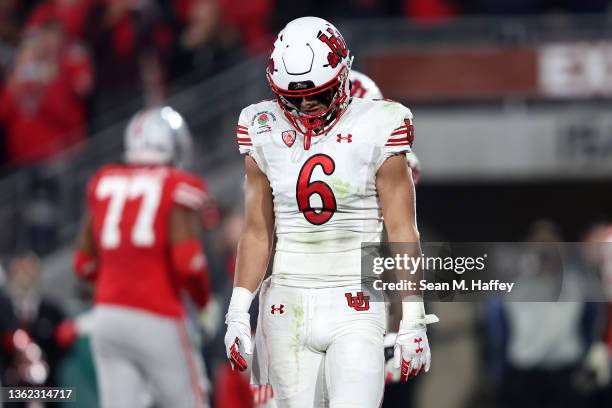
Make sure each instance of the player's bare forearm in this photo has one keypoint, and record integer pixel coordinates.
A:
(395, 188)
(253, 255)
(256, 240)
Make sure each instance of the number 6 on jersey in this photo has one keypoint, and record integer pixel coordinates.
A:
(305, 189)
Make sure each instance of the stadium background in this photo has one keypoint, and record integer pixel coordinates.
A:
(513, 130)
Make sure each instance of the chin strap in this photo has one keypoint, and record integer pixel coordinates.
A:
(307, 139)
(310, 125)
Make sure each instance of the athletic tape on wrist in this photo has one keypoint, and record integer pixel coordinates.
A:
(413, 311)
(241, 300)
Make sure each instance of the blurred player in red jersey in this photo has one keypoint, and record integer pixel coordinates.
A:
(140, 244)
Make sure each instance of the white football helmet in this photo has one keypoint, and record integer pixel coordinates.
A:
(158, 136)
(310, 58)
(362, 86)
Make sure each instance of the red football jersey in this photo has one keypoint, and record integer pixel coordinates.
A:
(130, 212)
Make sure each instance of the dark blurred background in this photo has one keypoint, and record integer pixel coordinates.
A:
(513, 130)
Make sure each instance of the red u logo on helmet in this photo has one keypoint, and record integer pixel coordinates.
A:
(336, 44)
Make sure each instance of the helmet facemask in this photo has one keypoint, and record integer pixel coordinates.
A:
(334, 95)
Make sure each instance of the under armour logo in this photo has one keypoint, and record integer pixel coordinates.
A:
(280, 309)
(358, 302)
(418, 340)
(348, 138)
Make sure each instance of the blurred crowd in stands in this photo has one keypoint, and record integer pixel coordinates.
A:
(64, 63)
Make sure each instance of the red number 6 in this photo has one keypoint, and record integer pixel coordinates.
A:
(304, 189)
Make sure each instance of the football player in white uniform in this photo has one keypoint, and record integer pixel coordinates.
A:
(322, 169)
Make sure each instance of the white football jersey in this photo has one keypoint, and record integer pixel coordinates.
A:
(325, 199)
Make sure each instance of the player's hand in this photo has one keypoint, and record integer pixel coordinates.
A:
(238, 339)
(411, 354)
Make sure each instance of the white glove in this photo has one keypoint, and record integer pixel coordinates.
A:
(411, 353)
(238, 339)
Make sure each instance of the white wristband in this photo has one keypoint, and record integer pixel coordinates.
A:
(413, 312)
(413, 308)
(241, 300)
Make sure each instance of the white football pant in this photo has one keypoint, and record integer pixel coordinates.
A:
(325, 347)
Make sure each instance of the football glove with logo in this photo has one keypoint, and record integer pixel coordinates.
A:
(411, 353)
(238, 339)
(238, 343)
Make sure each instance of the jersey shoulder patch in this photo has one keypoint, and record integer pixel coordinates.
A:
(255, 123)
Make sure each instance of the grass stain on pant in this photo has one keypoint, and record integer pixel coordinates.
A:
(297, 327)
